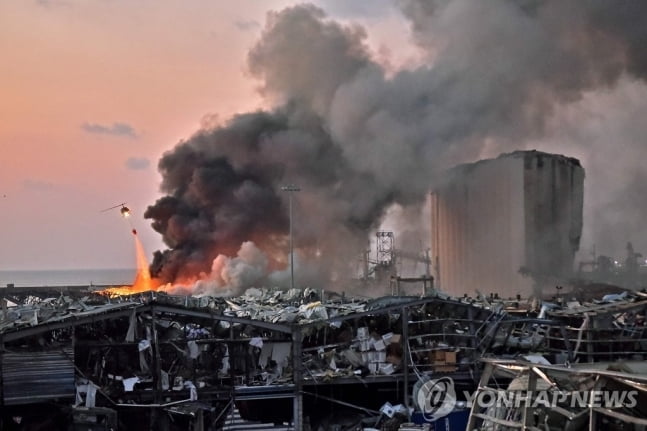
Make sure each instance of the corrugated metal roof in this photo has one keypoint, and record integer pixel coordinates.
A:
(31, 377)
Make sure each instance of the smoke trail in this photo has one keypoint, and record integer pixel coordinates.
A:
(357, 140)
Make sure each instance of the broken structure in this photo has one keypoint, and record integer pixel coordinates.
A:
(539, 396)
(177, 362)
(156, 361)
(507, 225)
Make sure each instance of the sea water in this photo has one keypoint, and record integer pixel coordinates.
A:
(68, 277)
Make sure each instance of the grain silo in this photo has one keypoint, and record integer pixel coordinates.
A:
(507, 225)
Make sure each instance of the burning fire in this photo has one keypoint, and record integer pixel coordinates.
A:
(226, 273)
(230, 270)
(143, 281)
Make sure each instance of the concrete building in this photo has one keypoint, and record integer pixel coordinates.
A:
(508, 225)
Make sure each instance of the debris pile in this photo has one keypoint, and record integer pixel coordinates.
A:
(530, 395)
(281, 353)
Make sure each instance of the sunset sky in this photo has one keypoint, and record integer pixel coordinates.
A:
(94, 92)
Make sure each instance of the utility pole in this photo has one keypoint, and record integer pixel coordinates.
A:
(290, 188)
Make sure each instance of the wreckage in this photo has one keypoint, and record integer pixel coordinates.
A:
(316, 360)
(540, 396)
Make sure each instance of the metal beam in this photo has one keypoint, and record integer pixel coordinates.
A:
(297, 376)
(572, 370)
(72, 321)
(405, 354)
(383, 310)
(209, 315)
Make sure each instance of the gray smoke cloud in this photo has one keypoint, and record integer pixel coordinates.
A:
(605, 130)
(358, 140)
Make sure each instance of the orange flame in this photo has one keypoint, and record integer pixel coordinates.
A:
(143, 281)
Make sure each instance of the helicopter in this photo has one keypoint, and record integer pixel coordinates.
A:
(125, 211)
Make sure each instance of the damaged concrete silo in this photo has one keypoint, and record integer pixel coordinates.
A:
(508, 225)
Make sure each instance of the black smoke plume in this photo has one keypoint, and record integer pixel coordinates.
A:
(358, 140)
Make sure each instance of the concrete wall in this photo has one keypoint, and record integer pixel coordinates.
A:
(492, 218)
(554, 198)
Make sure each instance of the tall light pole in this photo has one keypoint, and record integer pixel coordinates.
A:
(290, 188)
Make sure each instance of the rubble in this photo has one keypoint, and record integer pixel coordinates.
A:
(541, 396)
(292, 349)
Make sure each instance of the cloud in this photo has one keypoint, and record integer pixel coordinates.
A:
(137, 163)
(52, 3)
(38, 185)
(116, 129)
(247, 25)
(349, 9)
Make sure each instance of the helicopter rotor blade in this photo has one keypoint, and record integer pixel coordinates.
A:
(111, 208)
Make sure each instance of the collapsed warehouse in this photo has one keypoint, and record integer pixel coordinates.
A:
(156, 352)
(156, 361)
